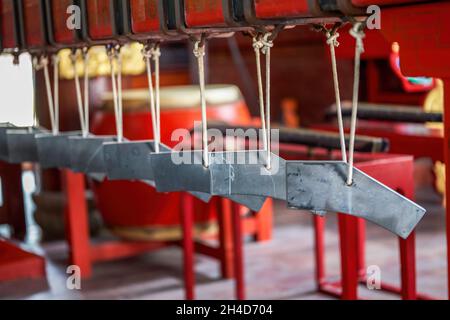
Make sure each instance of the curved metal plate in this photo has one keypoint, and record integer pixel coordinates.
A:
(130, 160)
(245, 173)
(320, 185)
(86, 154)
(184, 171)
(54, 151)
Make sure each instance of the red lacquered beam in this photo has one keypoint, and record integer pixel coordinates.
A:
(9, 34)
(100, 19)
(34, 28)
(202, 13)
(269, 9)
(144, 16)
(58, 32)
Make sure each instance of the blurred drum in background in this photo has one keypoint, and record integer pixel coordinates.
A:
(135, 211)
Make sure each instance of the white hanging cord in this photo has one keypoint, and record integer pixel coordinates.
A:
(257, 46)
(86, 89)
(199, 53)
(263, 44)
(51, 107)
(55, 61)
(358, 33)
(268, 44)
(119, 90)
(148, 55)
(84, 130)
(114, 56)
(156, 53)
(333, 43)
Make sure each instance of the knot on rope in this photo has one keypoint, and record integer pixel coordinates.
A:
(155, 52)
(55, 59)
(263, 43)
(44, 61)
(357, 33)
(147, 53)
(199, 49)
(332, 39)
(37, 63)
(73, 57)
(257, 43)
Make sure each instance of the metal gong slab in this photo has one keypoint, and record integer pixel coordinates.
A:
(4, 127)
(86, 154)
(22, 145)
(54, 150)
(184, 171)
(245, 173)
(130, 160)
(321, 186)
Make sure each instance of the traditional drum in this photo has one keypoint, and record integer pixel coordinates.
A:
(134, 210)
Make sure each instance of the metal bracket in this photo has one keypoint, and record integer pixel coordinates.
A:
(321, 186)
(22, 144)
(54, 151)
(86, 154)
(4, 127)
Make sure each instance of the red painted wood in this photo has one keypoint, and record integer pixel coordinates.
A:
(423, 33)
(408, 267)
(144, 16)
(61, 33)
(7, 24)
(187, 218)
(366, 3)
(319, 249)
(349, 256)
(225, 237)
(77, 229)
(266, 9)
(34, 29)
(238, 253)
(13, 210)
(16, 263)
(100, 19)
(200, 13)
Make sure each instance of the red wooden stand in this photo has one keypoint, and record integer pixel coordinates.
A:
(16, 263)
(397, 173)
(229, 252)
(424, 51)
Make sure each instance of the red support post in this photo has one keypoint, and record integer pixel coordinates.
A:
(238, 252)
(187, 224)
(319, 249)
(408, 267)
(225, 237)
(349, 256)
(77, 226)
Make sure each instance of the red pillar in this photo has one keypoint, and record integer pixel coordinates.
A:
(238, 253)
(319, 249)
(77, 227)
(187, 221)
(348, 226)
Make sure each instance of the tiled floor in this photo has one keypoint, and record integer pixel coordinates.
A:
(280, 269)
